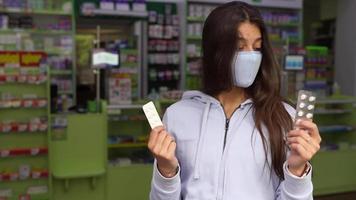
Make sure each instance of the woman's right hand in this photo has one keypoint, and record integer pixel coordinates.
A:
(163, 146)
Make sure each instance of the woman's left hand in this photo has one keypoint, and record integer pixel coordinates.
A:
(304, 143)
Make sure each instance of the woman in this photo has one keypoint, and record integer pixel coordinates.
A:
(234, 139)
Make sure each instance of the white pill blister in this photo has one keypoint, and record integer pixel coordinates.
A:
(309, 116)
(302, 105)
(305, 105)
(300, 113)
(152, 115)
(310, 107)
(312, 98)
(303, 97)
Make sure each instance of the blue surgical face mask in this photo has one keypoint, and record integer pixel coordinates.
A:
(245, 67)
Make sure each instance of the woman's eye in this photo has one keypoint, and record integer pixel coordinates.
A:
(241, 48)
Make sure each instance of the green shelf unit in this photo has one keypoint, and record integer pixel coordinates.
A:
(34, 31)
(284, 41)
(199, 38)
(318, 75)
(135, 182)
(71, 158)
(56, 52)
(55, 41)
(61, 72)
(65, 92)
(164, 48)
(129, 127)
(293, 25)
(195, 19)
(128, 65)
(129, 51)
(132, 181)
(334, 172)
(27, 139)
(78, 155)
(334, 166)
(35, 12)
(128, 145)
(128, 181)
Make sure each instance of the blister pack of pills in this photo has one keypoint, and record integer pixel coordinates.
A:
(152, 115)
(305, 105)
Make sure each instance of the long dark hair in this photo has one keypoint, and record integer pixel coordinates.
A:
(219, 46)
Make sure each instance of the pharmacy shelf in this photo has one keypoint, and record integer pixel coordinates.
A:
(60, 72)
(118, 117)
(4, 177)
(24, 103)
(129, 51)
(125, 70)
(294, 25)
(316, 65)
(193, 73)
(195, 19)
(284, 41)
(332, 111)
(35, 12)
(65, 92)
(120, 13)
(22, 83)
(316, 80)
(58, 52)
(194, 38)
(192, 57)
(331, 171)
(34, 31)
(25, 132)
(162, 51)
(336, 101)
(127, 145)
(129, 64)
(19, 127)
(336, 129)
(132, 106)
(5, 153)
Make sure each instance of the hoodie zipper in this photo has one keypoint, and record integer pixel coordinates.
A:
(227, 122)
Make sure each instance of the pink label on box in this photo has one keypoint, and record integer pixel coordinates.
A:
(35, 151)
(28, 103)
(14, 176)
(5, 153)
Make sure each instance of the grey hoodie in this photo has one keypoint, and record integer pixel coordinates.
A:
(220, 159)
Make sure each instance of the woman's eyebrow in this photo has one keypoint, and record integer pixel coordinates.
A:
(258, 39)
(241, 38)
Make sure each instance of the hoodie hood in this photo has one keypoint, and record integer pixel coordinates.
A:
(199, 96)
(205, 98)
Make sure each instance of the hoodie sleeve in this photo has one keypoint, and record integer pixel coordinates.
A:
(294, 187)
(163, 188)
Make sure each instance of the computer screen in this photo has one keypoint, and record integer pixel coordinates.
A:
(294, 62)
(102, 59)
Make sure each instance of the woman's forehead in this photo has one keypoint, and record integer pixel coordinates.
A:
(248, 31)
